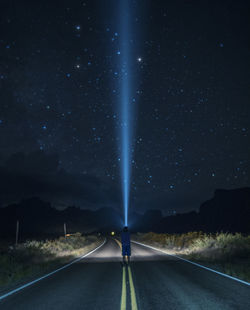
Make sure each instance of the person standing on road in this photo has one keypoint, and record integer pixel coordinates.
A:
(126, 248)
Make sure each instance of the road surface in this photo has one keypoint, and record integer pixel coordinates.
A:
(154, 281)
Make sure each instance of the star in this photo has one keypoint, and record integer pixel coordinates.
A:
(139, 59)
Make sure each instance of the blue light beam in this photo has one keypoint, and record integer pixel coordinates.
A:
(126, 112)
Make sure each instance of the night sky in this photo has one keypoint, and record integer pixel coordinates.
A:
(59, 77)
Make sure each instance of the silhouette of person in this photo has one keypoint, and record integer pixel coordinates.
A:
(126, 248)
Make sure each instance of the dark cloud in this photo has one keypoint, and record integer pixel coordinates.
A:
(39, 174)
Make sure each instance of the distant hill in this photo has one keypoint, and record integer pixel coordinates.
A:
(228, 210)
(37, 218)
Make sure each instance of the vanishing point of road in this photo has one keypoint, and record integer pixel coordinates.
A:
(154, 280)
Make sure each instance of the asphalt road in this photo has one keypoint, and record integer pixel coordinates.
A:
(153, 281)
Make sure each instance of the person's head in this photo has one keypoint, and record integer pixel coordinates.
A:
(125, 228)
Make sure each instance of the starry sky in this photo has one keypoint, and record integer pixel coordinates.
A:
(59, 93)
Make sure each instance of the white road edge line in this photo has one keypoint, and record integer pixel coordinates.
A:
(196, 264)
(51, 273)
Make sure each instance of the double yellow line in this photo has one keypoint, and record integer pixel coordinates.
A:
(124, 287)
(124, 290)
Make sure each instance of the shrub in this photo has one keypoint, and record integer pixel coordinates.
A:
(220, 245)
(35, 257)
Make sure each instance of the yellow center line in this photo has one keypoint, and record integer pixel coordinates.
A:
(132, 290)
(118, 242)
(124, 289)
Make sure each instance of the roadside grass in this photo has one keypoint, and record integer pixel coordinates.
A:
(225, 252)
(34, 258)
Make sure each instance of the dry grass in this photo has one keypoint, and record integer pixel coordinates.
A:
(229, 253)
(33, 258)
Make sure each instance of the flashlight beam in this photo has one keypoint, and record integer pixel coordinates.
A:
(125, 108)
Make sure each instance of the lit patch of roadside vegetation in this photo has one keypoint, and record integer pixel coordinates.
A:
(226, 252)
(33, 258)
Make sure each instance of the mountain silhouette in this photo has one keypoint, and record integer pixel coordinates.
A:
(228, 211)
